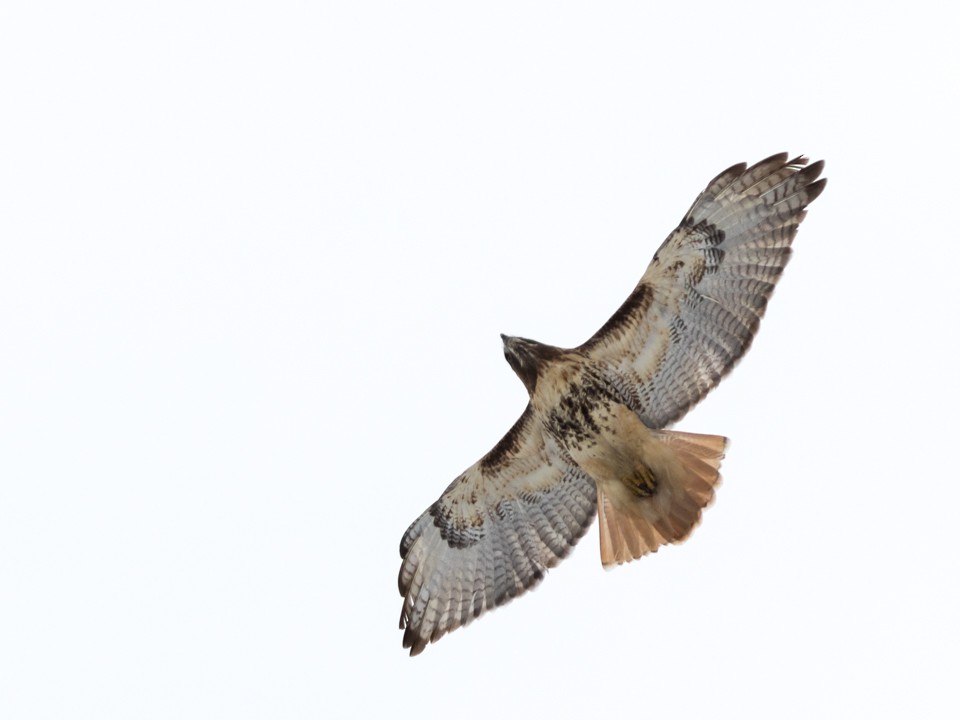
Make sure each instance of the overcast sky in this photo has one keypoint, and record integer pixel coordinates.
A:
(254, 263)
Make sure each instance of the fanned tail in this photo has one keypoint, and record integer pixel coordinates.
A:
(632, 526)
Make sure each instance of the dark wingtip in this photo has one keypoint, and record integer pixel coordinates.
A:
(812, 172)
(778, 159)
(414, 642)
(738, 169)
(813, 190)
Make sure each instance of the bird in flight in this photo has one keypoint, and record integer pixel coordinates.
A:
(593, 439)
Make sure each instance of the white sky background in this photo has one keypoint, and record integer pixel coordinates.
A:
(255, 260)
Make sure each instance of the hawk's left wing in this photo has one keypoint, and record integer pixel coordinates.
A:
(492, 534)
(697, 307)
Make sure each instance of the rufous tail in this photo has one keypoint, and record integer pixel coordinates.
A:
(632, 525)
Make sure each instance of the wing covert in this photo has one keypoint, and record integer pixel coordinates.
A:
(697, 307)
(492, 534)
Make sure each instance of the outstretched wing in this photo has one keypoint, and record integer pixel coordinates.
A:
(492, 534)
(697, 307)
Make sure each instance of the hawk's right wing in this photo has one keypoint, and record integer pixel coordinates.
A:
(493, 533)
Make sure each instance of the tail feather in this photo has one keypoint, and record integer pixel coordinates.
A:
(632, 526)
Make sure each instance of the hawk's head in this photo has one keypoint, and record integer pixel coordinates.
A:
(527, 358)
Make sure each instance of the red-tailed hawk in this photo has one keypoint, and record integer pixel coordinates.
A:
(592, 440)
